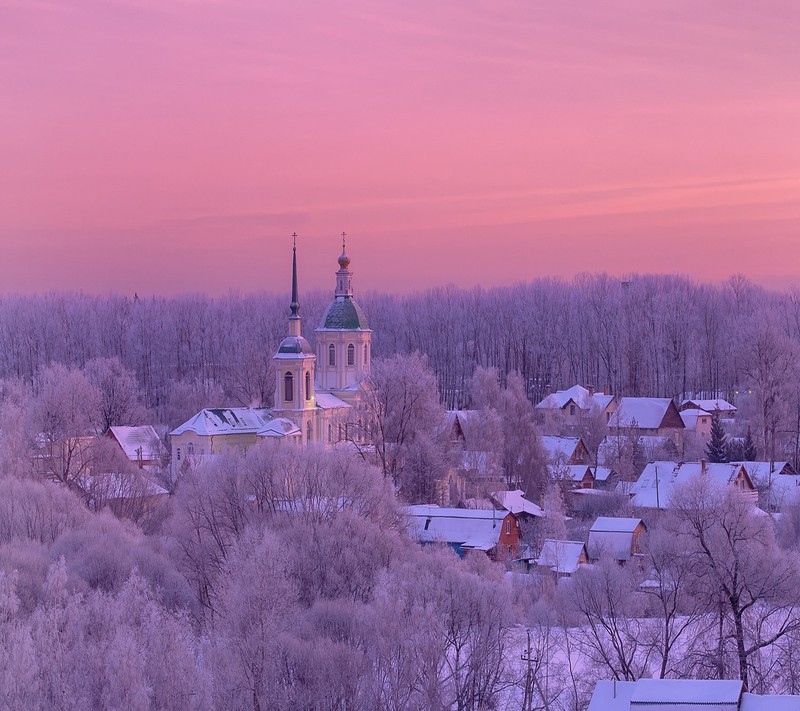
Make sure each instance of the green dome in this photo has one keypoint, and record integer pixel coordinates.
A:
(294, 345)
(344, 314)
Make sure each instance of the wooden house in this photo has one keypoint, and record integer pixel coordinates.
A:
(615, 537)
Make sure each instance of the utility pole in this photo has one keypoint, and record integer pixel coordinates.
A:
(527, 656)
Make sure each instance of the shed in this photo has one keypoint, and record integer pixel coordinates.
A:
(562, 557)
(617, 537)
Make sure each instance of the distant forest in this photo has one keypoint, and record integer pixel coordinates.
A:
(647, 335)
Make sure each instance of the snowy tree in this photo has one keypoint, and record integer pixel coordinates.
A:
(62, 416)
(737, 566)
(399, 406)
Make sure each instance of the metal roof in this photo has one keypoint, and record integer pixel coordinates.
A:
(343, 314)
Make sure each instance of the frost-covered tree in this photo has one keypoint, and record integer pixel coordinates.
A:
(402, 423)
(737, 568)
(120, 395)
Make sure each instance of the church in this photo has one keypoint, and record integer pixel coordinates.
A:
(316, 393)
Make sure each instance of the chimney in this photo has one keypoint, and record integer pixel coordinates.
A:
(548, 390)
(703, 463)
(606, 389)
(590, 388)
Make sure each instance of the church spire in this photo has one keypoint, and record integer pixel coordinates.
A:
(344, 284)
(294, 318)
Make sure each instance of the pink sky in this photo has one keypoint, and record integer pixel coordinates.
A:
(174, 145)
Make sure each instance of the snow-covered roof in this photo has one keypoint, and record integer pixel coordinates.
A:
(612, 696)
(575, 472)
(710, 405)
(615, 524)
(612, 536)
(653, 488)
(763, 472)
(516, 503)
(755, 702)
(666, 693)
(602, 473)
(140, 443)
(328, 401)
(647, 412)
(477, 529)
(577, 394)
(279, 427)
(690, 416)
(561, 556)
(560, 447)
(683, 695)
(225, 420)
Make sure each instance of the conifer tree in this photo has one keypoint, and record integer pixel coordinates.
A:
(717, 447)
(749, 453)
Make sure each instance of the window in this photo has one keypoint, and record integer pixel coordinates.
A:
(179, 454)
(427, 523)
(508, 528)
(351, 354)
(190, 449)
(365, 354)
(288, 387)
(330, 433)
(331, 354)
(308, 385)
(308, 432)
(572, 409)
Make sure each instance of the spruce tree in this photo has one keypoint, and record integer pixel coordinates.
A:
(717, 447)
(749, 453)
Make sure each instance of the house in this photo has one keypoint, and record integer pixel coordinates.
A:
(649, 416)
(653, 489)
(569, 406)
(496, 533)
(565, 450)
(577, 476)
(718, 406)
(562, 557)
(777, 483)
(617, 537)
(684, 695)
(697, 421)
(141, 445)
(215, 429)
(457, 422)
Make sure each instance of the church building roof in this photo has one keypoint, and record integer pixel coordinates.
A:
(343, 314)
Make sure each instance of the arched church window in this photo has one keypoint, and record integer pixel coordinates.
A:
(365, 354)
(331, 354)
(330, 433)
(288, 387)
(351, 354)
(308, 432)
(308, 385)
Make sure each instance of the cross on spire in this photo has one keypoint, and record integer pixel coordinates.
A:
(294, 240)
(344, 234)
